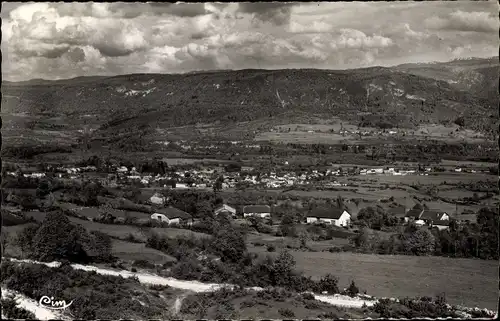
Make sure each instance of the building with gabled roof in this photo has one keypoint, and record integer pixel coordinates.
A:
(257, 210)
(329, 215)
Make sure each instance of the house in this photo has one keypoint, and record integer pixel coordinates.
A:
(257, 210)
(413, 214)
(172, 215)
(441, 225)
(158, 199)
(429, 216)
(333, 216)
(226, 209)
(425, 215)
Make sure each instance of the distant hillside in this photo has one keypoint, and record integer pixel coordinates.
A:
(478, 76)
(402, 96)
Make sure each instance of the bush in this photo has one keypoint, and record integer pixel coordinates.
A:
(143, 264)
(328, 283)
(287, 313)
(271, 248)
(308, 296)
(352, 290)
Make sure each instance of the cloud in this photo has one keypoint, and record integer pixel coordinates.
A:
(273, 12)
(57, 40)
(478, 21)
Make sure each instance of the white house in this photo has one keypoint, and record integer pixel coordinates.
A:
(163, 218)
(172, 215)
(441, 225)
(226, 209)
(257, 210)
(332, 216)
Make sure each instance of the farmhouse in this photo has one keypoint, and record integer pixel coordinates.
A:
(425, 216)
(333, 216)
(257, 210)
(433, 216)
(225, 209)
(441, 225)
(172, 215)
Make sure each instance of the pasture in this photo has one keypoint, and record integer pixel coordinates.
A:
(122, 231)
(467, 282)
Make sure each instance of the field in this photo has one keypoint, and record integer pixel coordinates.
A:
(281, 242)
(121, 231)
(464, 281)
(128, 251)
(190, 161)
(321, 133)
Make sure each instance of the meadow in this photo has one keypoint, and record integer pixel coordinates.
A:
(466, 282)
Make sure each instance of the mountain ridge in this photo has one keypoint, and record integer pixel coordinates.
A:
(403, 96)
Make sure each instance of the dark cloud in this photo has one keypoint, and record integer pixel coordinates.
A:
(50, 52)
(273, 12)
(76, 55)
(178, 9)
(479, 21)
(7, 7)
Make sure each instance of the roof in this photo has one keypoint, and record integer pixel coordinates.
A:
(431, 215)
(441, 223)
(257, 209)
(397, 211)
(224, 207)
(414, 213)
(327, 212)
(172, 212)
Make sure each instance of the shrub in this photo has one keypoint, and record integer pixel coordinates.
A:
(287, 313)
(328, 283)
(308, 296)
(352, 290)
(271, 248)
(143, 264)
(133, 270)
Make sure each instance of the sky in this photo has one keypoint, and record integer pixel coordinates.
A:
(65, 40)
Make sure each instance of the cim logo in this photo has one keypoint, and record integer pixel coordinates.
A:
(49, 303)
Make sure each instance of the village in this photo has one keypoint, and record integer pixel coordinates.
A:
(212, 178)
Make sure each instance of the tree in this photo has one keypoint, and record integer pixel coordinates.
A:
(43, 188)
(303, 238)
(25, 238)
(229, 244)
(421, 242)
(287, 226)
(283, 269)
(218, 184)
(58, 239)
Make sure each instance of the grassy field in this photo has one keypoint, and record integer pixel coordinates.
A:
(464, 281)
(282, 242)
(128, 251)
(121, 231)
